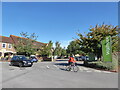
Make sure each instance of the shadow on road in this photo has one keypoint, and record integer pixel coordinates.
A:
(61, 64)
(65, 64)
(64, 69)
(62, 60)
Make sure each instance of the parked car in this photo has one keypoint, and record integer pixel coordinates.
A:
(21, 61)
(87, 58)
(33, 59)
(77, 58)
(81, 58)
(84, 58)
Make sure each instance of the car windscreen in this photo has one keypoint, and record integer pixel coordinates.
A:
(22, 58)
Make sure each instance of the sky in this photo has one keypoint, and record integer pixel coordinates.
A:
(56, 21)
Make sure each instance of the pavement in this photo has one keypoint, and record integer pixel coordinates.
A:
(54, 75)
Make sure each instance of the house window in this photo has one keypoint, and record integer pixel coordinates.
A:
(3, 45)
(10, 46)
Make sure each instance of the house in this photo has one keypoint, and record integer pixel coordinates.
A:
(6, 44)
(15, 40)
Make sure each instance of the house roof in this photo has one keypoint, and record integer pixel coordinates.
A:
(16, 39)
(6, 39)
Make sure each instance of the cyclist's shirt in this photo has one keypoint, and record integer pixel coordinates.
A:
(72, 60)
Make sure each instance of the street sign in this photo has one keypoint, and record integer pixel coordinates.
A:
(106, 49)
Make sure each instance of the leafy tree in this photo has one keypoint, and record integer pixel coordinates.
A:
(73, 48)
(58, 49)
(25, 44)
(63, 52)
(92, 41)
(101, 31)
(46, 50)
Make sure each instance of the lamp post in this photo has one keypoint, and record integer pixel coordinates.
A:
(52, 54)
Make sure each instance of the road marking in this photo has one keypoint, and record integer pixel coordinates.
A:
(55, 66)
(97, 71)
(80, 69)
(106, 72)
(48, 67)
(88, 71)
(85, 69)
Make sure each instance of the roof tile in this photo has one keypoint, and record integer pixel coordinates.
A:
(6, 39)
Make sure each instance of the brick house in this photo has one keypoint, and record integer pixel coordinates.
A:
(6, 44)
(36, 43)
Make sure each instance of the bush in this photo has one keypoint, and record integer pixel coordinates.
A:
(101, 65)
(104, 65)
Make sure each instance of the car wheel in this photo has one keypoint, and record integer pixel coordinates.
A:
(20, 64)
(11, 64)
(30, 66)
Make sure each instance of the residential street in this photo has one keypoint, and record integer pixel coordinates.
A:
(53, 75)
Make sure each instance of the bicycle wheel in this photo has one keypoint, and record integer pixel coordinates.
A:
(75, 68)
(68, 68)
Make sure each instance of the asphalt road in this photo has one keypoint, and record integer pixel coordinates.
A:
(53, 75)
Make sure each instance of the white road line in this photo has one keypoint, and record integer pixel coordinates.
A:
(85, 69)
(48, 67)
(80, 69)
(97, 71)
(88, 71)
(55, 66)
(106, 72)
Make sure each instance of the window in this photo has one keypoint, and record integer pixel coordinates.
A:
(10, 46)
(4, 45)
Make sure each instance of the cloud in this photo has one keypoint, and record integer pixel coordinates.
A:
(65, 43)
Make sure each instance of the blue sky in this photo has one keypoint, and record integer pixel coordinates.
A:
(56, 21)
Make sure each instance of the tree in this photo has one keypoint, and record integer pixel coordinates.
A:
(92, 41)
(46, 50)
(73, 48)
(58, 49)
(25, 44)
(63, 52)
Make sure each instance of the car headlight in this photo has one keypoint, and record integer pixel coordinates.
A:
(24, 61)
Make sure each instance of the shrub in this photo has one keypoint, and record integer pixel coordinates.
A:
(105, 65)
(102, 65)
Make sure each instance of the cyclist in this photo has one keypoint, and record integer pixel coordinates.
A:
(71, 60)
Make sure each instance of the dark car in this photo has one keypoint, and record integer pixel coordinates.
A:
(20, 61)
(82, 58)
(78, 58)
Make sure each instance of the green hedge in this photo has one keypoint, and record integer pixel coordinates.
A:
(101, 65)
(104, 65)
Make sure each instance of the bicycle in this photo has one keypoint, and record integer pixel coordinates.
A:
(72, 67)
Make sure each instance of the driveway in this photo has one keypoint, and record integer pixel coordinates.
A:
(53, 75)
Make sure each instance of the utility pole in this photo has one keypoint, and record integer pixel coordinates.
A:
(52, 54)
